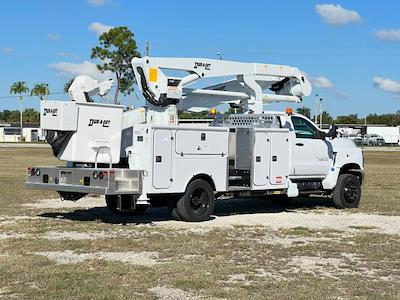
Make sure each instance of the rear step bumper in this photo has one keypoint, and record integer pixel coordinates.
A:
(103, 181)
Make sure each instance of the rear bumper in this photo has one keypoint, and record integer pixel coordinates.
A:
(103, 181)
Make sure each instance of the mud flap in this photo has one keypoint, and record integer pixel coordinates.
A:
(292, 191)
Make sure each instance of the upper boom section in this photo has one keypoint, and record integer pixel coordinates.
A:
(286, 83)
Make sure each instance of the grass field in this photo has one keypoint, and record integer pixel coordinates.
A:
(252, 249)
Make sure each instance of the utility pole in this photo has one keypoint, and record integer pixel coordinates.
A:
(147, 48)
(320, 113)
(220, 58)
(316, 108)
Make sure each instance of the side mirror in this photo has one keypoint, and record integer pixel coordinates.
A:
(332, 132)
(321, 135)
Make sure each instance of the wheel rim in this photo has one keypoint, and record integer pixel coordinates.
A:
(351, 192)
(199, 201)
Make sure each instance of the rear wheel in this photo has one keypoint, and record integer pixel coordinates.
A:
(347, 193)
(197, 203)
(124, 204)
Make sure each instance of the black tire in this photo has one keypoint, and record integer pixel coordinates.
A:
(347, 193)
(197, 203)
(124, 205)
(140, 209)
(173, 209)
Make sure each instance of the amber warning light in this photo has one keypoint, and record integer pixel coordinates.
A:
(289, 111)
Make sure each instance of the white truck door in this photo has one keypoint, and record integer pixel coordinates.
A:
(311, 155)
(261, 155)
(162, 151)
(279, 158)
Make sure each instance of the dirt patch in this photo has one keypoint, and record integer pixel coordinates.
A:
(86, 202)
(313, 219)
(333, 267)
(11, 235)
(238, 278)
(6, 292)
(147, 259)
(3, 291)
(318, 266)
(342, 221)
(262, 273)
(76, 235)
(7, 220)
(290, 241)
(168, 293)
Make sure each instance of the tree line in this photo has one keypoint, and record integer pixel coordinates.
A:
(381, 119)
(29, 116)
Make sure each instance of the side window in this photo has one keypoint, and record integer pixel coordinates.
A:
(304, 129)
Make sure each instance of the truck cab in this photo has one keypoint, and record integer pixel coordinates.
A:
(317, 161)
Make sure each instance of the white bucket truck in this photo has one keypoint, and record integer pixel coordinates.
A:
(143, 157)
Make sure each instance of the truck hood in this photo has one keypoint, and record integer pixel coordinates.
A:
(341, 144)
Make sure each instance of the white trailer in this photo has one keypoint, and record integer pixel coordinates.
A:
(391, 135)
(145, 157)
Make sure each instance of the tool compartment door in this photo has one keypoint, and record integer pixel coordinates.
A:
(279, 168)
(162, 151)
(261, 158)
(201, 142)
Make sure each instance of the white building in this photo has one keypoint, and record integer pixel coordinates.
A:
(12, 133)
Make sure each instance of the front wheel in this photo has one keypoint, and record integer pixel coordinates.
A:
(124, 204)
(347, 193)
(197, 203)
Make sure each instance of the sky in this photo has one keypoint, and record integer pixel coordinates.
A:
(350, 50)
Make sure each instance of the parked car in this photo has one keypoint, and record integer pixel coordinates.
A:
(373, 140)
(358, 140)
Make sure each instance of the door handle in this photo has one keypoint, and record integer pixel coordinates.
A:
(299, 144)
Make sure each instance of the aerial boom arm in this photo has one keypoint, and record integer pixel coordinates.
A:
(83, 87)
(287, 83)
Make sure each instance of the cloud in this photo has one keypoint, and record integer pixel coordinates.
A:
(68, 55)
(99, 28)
(321, 82)
(88, 68)
(54, 36)
(387, 85)
(390, 35)
(97, 2)
(336, 14)
(341, 95)
(7, 50)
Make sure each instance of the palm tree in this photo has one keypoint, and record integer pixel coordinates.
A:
(305, 111)
(40, 90)
(68, 84)
(19, 88)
